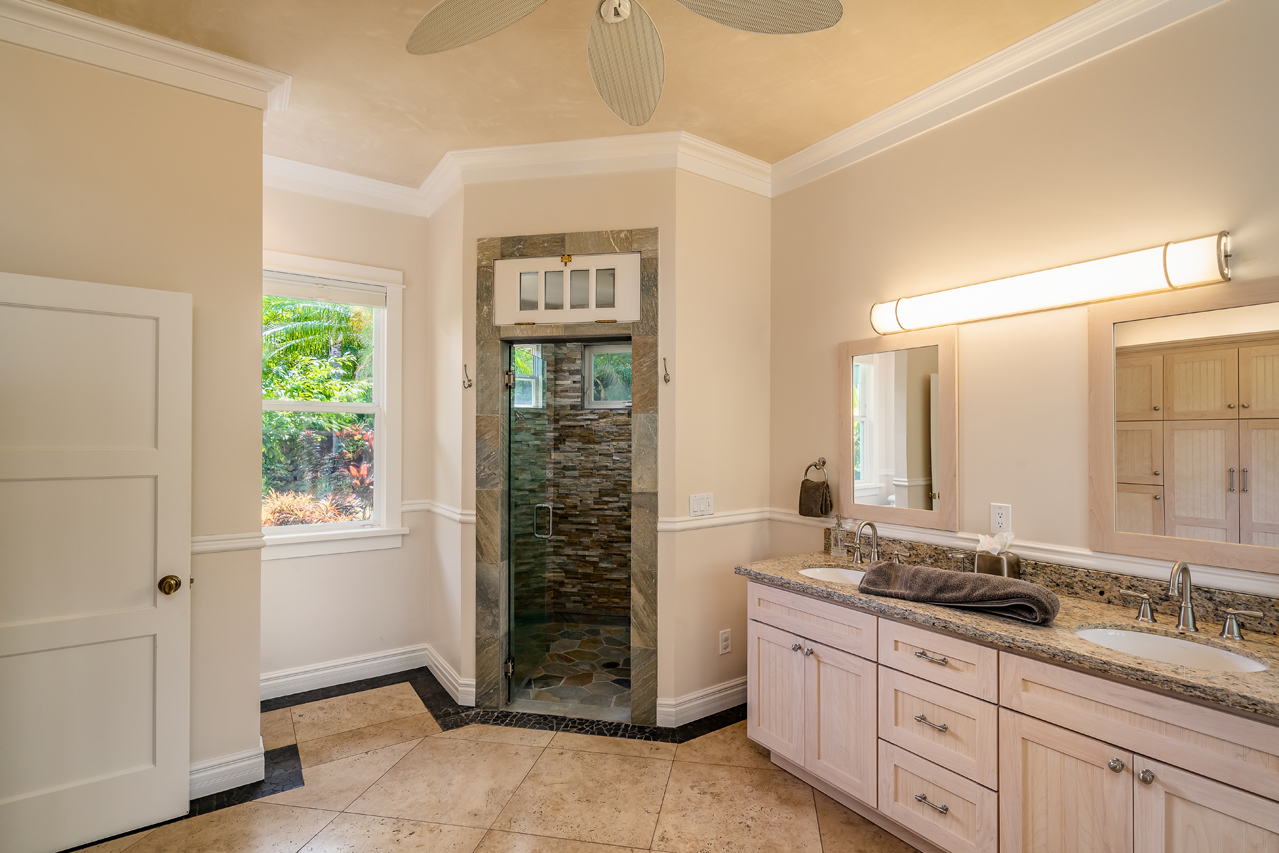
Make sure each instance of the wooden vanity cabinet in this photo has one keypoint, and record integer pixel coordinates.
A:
(1258, 478)
(1139, 387)
(1139, 509)
(1180, 812)
(1201, 383)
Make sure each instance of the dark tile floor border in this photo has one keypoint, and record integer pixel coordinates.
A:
(284, 766)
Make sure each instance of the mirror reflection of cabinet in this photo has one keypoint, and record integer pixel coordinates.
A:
(1192, 429)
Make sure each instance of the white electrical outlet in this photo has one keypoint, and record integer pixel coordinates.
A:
(725, 641)
(703, 504)
(1001, 518)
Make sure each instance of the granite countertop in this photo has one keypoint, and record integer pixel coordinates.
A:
(1251, 692)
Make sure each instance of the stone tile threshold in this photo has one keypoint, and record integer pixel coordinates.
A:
(284, 765)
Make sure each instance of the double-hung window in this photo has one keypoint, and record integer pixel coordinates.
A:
(330, 413)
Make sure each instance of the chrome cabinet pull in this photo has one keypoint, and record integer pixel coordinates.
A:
(1146, 777)
(941, 727)
(923, 798)
(550, 520)
(926, 656)
(794, 647)
(1232, 479)
(1244, 485)
(1116, 764)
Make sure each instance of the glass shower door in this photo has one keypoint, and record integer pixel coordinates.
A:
(531, 513)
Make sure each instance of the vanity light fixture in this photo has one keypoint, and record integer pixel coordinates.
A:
(1205, 260)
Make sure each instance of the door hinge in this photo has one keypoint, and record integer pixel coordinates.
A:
(510, 379)
(510, 667)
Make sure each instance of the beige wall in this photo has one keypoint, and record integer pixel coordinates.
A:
(319, 609)
(110, 178)
(1171, 137)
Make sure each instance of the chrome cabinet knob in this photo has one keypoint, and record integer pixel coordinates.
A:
(808, 651)
(1146, 777)
(1116, 764)
(794, 647)
(1156, 408)
(1230, 405)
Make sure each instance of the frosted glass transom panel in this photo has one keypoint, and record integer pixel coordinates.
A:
(63, 369)
(554, 290)
(579, 289)
(528, 291)
(585, 289)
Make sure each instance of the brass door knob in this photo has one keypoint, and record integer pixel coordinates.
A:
(170, 584)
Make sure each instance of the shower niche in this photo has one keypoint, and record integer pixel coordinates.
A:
(569, 459)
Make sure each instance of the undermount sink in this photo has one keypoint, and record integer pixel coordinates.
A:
(1171, 650)
(833, 574)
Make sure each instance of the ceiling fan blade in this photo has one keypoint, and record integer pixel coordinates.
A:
(627, 64)
(771, 17)
(453, 23)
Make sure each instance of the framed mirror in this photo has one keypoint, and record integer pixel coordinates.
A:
(1184, 426)
(898, 442)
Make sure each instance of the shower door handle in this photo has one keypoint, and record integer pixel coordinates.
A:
(550, 520)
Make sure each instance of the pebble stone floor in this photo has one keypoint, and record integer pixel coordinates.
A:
(585, 664)
(381, 776)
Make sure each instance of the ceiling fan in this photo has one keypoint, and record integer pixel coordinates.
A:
(623, 49)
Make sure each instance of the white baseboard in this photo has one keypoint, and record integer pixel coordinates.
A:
(461, 689)
(286, 682)
(227, 771)
(702, 703)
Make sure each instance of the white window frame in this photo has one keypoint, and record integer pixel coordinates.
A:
(588, 376)
(626, 289)
(868, 485)
(304, 277)
(539, 382)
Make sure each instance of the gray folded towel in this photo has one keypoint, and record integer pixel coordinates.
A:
(814, 498)
(1016, 599)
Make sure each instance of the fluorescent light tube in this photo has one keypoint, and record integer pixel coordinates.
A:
(1174, 265)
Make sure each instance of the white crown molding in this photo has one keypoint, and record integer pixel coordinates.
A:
(72, 34)
(672, 713)
(225, 772)
(1213, 577)
(1089, 33)
(609, 155)
(220, 542)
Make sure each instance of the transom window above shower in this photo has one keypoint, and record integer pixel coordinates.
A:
(567, 289)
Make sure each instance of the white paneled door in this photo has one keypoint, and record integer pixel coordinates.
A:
(95, 512)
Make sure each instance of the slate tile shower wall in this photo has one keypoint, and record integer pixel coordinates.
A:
(588, 564)
(492, 481)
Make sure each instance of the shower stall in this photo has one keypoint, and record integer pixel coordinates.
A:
(569, 458)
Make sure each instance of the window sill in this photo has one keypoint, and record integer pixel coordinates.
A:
(318, 543)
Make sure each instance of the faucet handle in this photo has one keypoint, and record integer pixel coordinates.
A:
(1230, 630)
(1144, 613)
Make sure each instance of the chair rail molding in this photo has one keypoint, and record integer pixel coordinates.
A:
(73, 34)
(220, 542)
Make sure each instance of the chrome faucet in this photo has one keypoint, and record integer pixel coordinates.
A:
(1179, 584)
(874, 542)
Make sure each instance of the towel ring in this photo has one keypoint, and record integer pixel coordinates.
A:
(820, 465)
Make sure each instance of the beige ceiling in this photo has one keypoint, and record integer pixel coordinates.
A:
(360, 103)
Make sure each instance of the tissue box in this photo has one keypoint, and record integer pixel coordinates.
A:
(1006, 564)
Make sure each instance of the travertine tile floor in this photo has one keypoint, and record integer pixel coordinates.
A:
(381, 776)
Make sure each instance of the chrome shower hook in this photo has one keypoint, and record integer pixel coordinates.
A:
(666, 373)
(467, 381)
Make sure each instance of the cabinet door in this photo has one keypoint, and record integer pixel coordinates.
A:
(1139, 387)
(1259, 382)
(1259, 482)
(775, 690)
(840, 736)
(1139, 509)
(1202, 480)
(1179, 812)
(1139, 452)
(1058, 793)
(1201, 384)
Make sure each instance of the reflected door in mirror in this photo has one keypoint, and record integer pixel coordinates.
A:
(894, 429)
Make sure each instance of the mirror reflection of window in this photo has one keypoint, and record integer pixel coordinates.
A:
(895, 427)
(1197, 426)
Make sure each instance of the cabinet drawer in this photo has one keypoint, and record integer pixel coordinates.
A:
(955, 730)
(841, 627)
(940, 658)
(1202, 740)
(963, 816)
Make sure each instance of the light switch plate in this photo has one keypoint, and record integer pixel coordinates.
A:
(703, 504)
